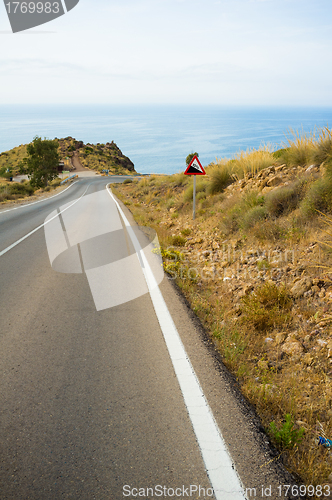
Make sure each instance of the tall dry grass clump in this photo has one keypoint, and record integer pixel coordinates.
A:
(323, 147)
(252, 161)
(220, 177)
(225, 171)
(299, 149)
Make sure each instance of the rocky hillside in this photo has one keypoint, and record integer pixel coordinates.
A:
(97, 156)
(256, 267)
(94, 156)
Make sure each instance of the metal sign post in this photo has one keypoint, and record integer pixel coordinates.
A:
(195, 168)
(194, 198)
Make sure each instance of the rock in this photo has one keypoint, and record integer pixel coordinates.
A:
(321, 342)
(307, 359)
(300, 287)
(274, 181)
(292, 348)
(281, 167)
(280, 337)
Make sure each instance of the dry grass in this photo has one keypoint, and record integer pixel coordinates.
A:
(245, 163)
(245, 326)
(299, 149)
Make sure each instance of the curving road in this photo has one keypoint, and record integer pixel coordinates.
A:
(98, 399)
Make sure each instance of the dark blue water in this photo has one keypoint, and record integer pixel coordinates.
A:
(158, 138)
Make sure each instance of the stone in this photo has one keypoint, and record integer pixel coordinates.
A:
(300, 287)
(292, 348)
(307, 359)
(280, 337)
(274, 181)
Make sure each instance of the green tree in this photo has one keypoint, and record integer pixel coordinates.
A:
(190, 157)
(42, 161)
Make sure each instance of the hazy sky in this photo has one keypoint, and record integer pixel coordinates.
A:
(275, 52)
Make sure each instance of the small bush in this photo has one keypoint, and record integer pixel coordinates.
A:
(286, 436)
(178, 241)
(201, 196)
(230, 221)
(267, 307)
(269, 230)
(179, 179)
(252, 199)
(188, 193)
(127, 181)
(170, 203)
(318, 197)
(254, 215)
(220, 177)
(285, 199)
(56, 182)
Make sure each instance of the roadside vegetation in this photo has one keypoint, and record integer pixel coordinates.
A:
(256, 267)
(40, 160)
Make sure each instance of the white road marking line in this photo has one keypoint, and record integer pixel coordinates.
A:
(220, 469)
(42, 225)
(39, 201)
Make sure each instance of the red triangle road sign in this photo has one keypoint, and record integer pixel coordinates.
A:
(195, 167)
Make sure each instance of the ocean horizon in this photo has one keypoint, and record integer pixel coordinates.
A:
(157, 138)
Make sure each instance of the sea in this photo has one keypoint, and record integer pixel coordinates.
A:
(158, 138)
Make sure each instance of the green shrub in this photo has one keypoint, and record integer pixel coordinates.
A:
(170, 203)
(318, 197)
(188, 193)
(267, 307)
(285, 199)
(178, 241)
(254, 215)
(127, 181)
(231, 221)
(201, 196)
(56, 182)
(179, 179)
(286, 436)
(252, 199)
(269, 230)
(279, 153)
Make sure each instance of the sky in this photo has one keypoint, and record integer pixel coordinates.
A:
(225, 52)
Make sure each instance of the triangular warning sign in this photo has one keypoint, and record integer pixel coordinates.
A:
(195, 167)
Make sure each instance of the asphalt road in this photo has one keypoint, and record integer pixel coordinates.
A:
(92, 405)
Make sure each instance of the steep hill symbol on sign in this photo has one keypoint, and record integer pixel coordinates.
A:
(195, 167)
